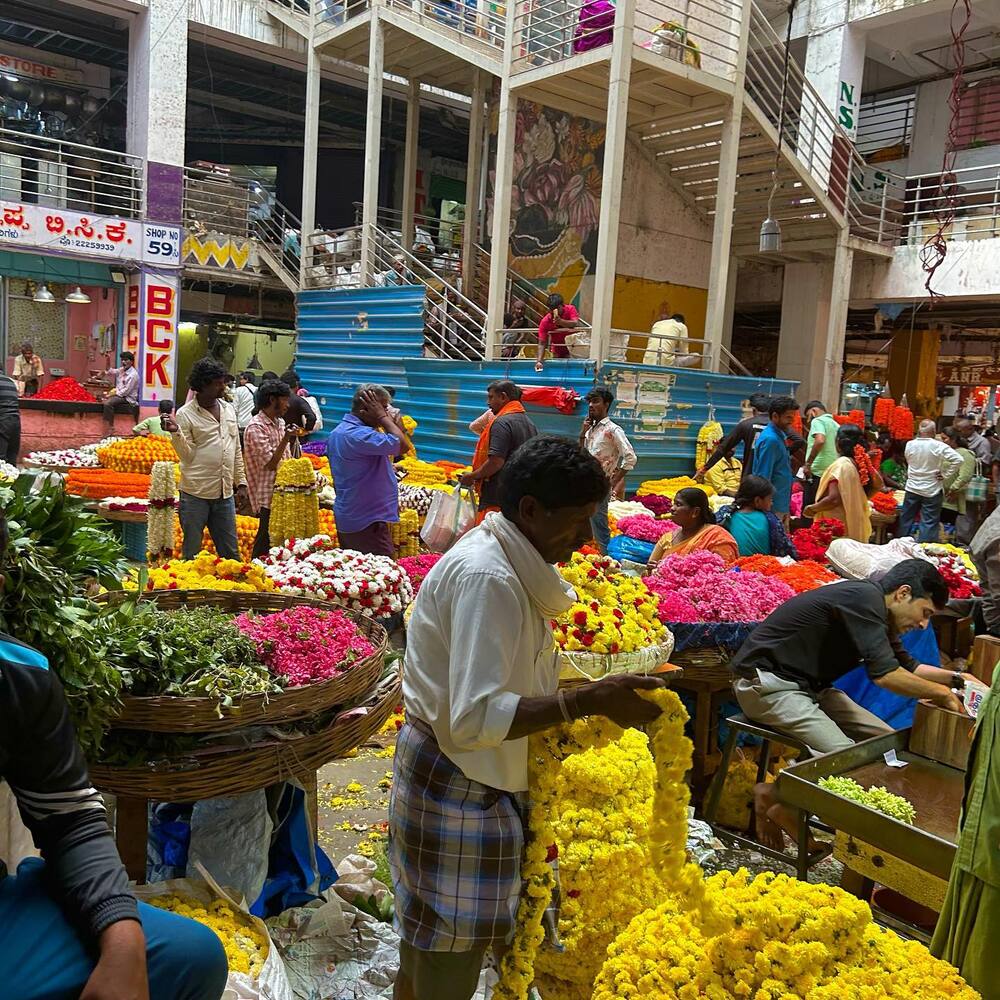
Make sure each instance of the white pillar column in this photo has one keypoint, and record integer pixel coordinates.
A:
(835, 62)
(410, 150)
(472, 179)
(611, 182)
(373, 144)
(840, 299)
(157, 103)
(310, 157)
(729, 316)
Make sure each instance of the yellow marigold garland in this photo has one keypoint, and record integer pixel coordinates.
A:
(137, 455)
(295, 504)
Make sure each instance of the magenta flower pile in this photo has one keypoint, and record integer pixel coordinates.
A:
(699, 588)
(304, 645)
(644, 527)
(659, 506)
(417, 567)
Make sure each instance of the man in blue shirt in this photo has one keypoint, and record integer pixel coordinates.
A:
(770, 453)
(361, 448)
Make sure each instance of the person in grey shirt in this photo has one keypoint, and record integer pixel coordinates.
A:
(974, 441)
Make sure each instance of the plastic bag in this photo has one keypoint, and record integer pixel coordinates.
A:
(622, 547)
(449, 517)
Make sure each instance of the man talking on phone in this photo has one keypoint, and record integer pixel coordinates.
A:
(560, 320)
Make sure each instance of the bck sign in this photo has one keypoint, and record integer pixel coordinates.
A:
(151, 315)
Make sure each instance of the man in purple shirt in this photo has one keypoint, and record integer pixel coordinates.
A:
(125, 398)
(361, 448)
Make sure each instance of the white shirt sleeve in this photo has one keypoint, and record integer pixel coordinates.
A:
(482, 661)
(626, 453)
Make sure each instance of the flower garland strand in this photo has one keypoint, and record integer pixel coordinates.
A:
(161, 518)
(295, 504)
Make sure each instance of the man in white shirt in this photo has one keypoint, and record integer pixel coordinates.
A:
(243, 401)
(481, 675)
(930, 463)
(607, 442)
(207, 439)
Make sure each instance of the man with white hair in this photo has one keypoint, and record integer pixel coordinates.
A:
(930, 464)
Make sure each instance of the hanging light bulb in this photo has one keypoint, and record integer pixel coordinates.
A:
(770, 236)
(254, 364)
(42, 294)
(78, 295)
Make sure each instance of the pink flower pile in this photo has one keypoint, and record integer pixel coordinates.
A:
(657, 504)
(304, 645)
(699, 588)
(644, 527)
(417, 567)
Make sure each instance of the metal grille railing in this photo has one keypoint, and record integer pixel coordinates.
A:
(482, 19)
(58, 174)
(327, 13)
(973, 194)
(215, 203)
(435, 241)
(885, 125)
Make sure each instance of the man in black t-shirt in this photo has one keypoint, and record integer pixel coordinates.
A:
(784, 672)
(505, 433)
(10, 420)
(745, 432)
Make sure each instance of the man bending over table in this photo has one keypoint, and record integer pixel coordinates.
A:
(784, 672)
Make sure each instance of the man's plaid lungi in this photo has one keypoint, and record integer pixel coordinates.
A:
(454, 850)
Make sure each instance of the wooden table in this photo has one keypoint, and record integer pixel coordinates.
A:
(712, 687)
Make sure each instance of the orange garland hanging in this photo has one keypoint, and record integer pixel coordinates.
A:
(884, 409)
(901, 426)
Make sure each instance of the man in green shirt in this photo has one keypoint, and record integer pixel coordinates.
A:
(153, 426)
(821, 448)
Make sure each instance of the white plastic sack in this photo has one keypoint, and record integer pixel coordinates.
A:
(272, 983)
(861, 561)
(449, 517)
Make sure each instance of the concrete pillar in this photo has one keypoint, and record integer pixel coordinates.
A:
(157, 102)
(913, 358)
(310, 157)
(473, 176)
(373, 144)
(835, 62)
(729, 314)
(411, 149)
(814, 305)
(611, 183)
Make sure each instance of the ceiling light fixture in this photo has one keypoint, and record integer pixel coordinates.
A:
(42, 294)
(78, 295)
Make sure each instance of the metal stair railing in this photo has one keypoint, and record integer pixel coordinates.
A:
(483, 19)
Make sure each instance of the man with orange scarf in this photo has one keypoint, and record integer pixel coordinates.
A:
(502, 436)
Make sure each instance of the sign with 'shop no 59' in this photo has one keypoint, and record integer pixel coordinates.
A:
(101, 237)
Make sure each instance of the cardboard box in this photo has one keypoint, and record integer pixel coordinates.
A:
(942, 735)
(985, 656)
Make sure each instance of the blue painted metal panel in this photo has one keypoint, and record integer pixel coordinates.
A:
(351, 335)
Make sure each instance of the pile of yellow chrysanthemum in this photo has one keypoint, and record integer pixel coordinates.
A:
(206, 572)
(137, 455)
(246, 947)
(669, 487)
(614, 613)
(421, 473)
(770, 937)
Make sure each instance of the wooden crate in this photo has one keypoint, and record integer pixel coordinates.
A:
(985, 656)
(942, 735)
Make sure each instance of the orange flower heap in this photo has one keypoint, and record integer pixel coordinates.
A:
(96, 484)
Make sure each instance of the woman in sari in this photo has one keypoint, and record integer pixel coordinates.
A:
(696, 529)
(846, 486)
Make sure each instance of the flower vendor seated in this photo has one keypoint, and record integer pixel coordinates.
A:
(124, 397)
(846, 485)
(696, 529)
(784, 672)
(750, 521)
(481, 675)
(153, 426)
(560, 319)
(265, 444)
(70, 929)
(206, 435)
(724, 477)
(361, 449)
(499, 439)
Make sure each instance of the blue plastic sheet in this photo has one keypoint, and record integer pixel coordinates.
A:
(622, 547)
(893, 709)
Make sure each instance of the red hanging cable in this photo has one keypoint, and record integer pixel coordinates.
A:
(935, 248)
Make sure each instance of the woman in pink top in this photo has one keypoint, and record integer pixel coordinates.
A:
(560, 320)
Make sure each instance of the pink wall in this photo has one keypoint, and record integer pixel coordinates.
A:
(80, 323)
(45, 431)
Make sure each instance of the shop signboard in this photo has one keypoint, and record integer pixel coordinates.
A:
(133, 315)
(81, 234)
(158, 355)
(968, 373)
(14, 65)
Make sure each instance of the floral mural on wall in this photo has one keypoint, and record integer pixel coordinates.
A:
(555, 202)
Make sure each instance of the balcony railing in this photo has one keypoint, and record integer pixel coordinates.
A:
(436, 241)
(698, 33)
(481, 19)
(57, 174)
(971, 195)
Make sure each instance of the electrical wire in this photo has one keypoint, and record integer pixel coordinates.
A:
(781, 110)
(935, 248)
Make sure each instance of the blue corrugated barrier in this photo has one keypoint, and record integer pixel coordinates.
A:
(349, 336)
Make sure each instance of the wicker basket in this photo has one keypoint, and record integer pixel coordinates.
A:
(236, 769)
(171, 714)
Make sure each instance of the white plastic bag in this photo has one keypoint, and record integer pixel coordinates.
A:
(450, 516)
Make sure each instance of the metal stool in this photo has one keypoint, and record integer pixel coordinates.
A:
(803, 859)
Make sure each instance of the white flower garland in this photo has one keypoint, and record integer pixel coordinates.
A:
(162, 515)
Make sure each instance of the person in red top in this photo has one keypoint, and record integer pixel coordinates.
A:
(556, 323)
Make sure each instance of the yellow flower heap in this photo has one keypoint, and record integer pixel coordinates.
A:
(246, 947)
(670, 487)
(137, 455)
(421, 473)
(206, 572)
(295, 504)
(614, 613)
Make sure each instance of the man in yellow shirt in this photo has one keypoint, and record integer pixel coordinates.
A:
(28, 370)
(724, 477)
